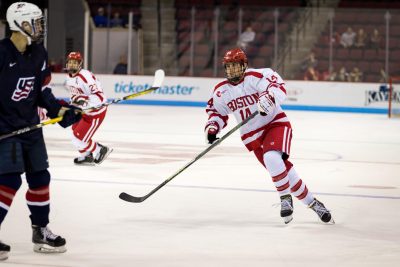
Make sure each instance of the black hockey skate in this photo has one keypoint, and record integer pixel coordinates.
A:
(323, 213)
(46, 242)
(4, 249)
(87, 160)
(103, 154)
(287, 208)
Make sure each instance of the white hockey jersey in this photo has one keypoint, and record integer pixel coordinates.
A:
(85, 86)
(241, 100)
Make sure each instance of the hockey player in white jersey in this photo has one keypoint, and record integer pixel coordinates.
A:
(86, 93)
(267, 135)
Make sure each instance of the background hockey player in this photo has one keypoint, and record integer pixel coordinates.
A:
(86, 93)
(269, 134)
(24, 86)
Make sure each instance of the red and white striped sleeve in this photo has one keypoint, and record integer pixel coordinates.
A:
(217, 114)
(275, 84)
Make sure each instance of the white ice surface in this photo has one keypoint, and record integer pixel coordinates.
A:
(218, 212)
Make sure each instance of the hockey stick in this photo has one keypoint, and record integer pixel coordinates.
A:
(158, 80)
(130, 198)
(31, 128)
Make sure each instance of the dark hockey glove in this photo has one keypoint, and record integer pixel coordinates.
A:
(71, 115)
(211, 132)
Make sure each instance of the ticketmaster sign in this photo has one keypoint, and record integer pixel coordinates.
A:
(131, 88)
(187, 91)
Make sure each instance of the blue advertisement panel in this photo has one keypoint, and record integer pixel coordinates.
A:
(187, 91)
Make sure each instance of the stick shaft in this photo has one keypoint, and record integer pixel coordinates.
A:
(208, 149)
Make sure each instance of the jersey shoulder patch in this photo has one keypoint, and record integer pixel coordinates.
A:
(220, 84)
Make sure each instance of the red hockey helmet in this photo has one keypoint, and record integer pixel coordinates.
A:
(74, 55)
(74, 63)
(235, 64)
(235, 55)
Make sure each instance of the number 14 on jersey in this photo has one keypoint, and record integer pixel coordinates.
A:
(245, 113)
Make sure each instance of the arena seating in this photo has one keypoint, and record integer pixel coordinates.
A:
(123, 7)
(259, 14)
(260, 51)
(368, 59)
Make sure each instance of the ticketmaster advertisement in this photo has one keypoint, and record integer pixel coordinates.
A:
(187, 91)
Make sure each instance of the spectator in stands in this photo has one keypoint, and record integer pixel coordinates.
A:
(361, 39)
(116, 21)
(100, 20)
(343, 75)
(348, 37)
(383, 77)
(246, 37)
(324, 75)
(122, 66)
(333, 76)
(356, 75)
(311, 74)
(309, 61)
(336, 38)
(375, 40)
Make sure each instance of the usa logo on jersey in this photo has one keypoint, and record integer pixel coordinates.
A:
(24, 87)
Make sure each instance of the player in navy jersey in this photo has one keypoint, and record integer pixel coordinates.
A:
(24, 86)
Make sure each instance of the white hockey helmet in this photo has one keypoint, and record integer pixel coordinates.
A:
(20, 13)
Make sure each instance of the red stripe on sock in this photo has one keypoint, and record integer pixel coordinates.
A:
(283, 187)
(296, 186)
(7, 189)
(304, 194)
(279, 177)
(94, 147)
(40, 194)
(37, 198)
(86, 148)
(6, 195)
(5, 200)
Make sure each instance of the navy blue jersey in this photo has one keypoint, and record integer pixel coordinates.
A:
(24, 79)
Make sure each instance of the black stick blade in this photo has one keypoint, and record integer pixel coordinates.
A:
(130, 198)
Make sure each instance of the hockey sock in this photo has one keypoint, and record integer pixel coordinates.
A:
(38, 197)
(299, 188)
(86, 148)
(96, 151)
(277, 169)
(9, 185)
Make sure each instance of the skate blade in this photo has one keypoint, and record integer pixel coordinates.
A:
(3, 255)
(44, 248)
(85, 164)
(287, 219)
(331, 221)
(105, 156)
